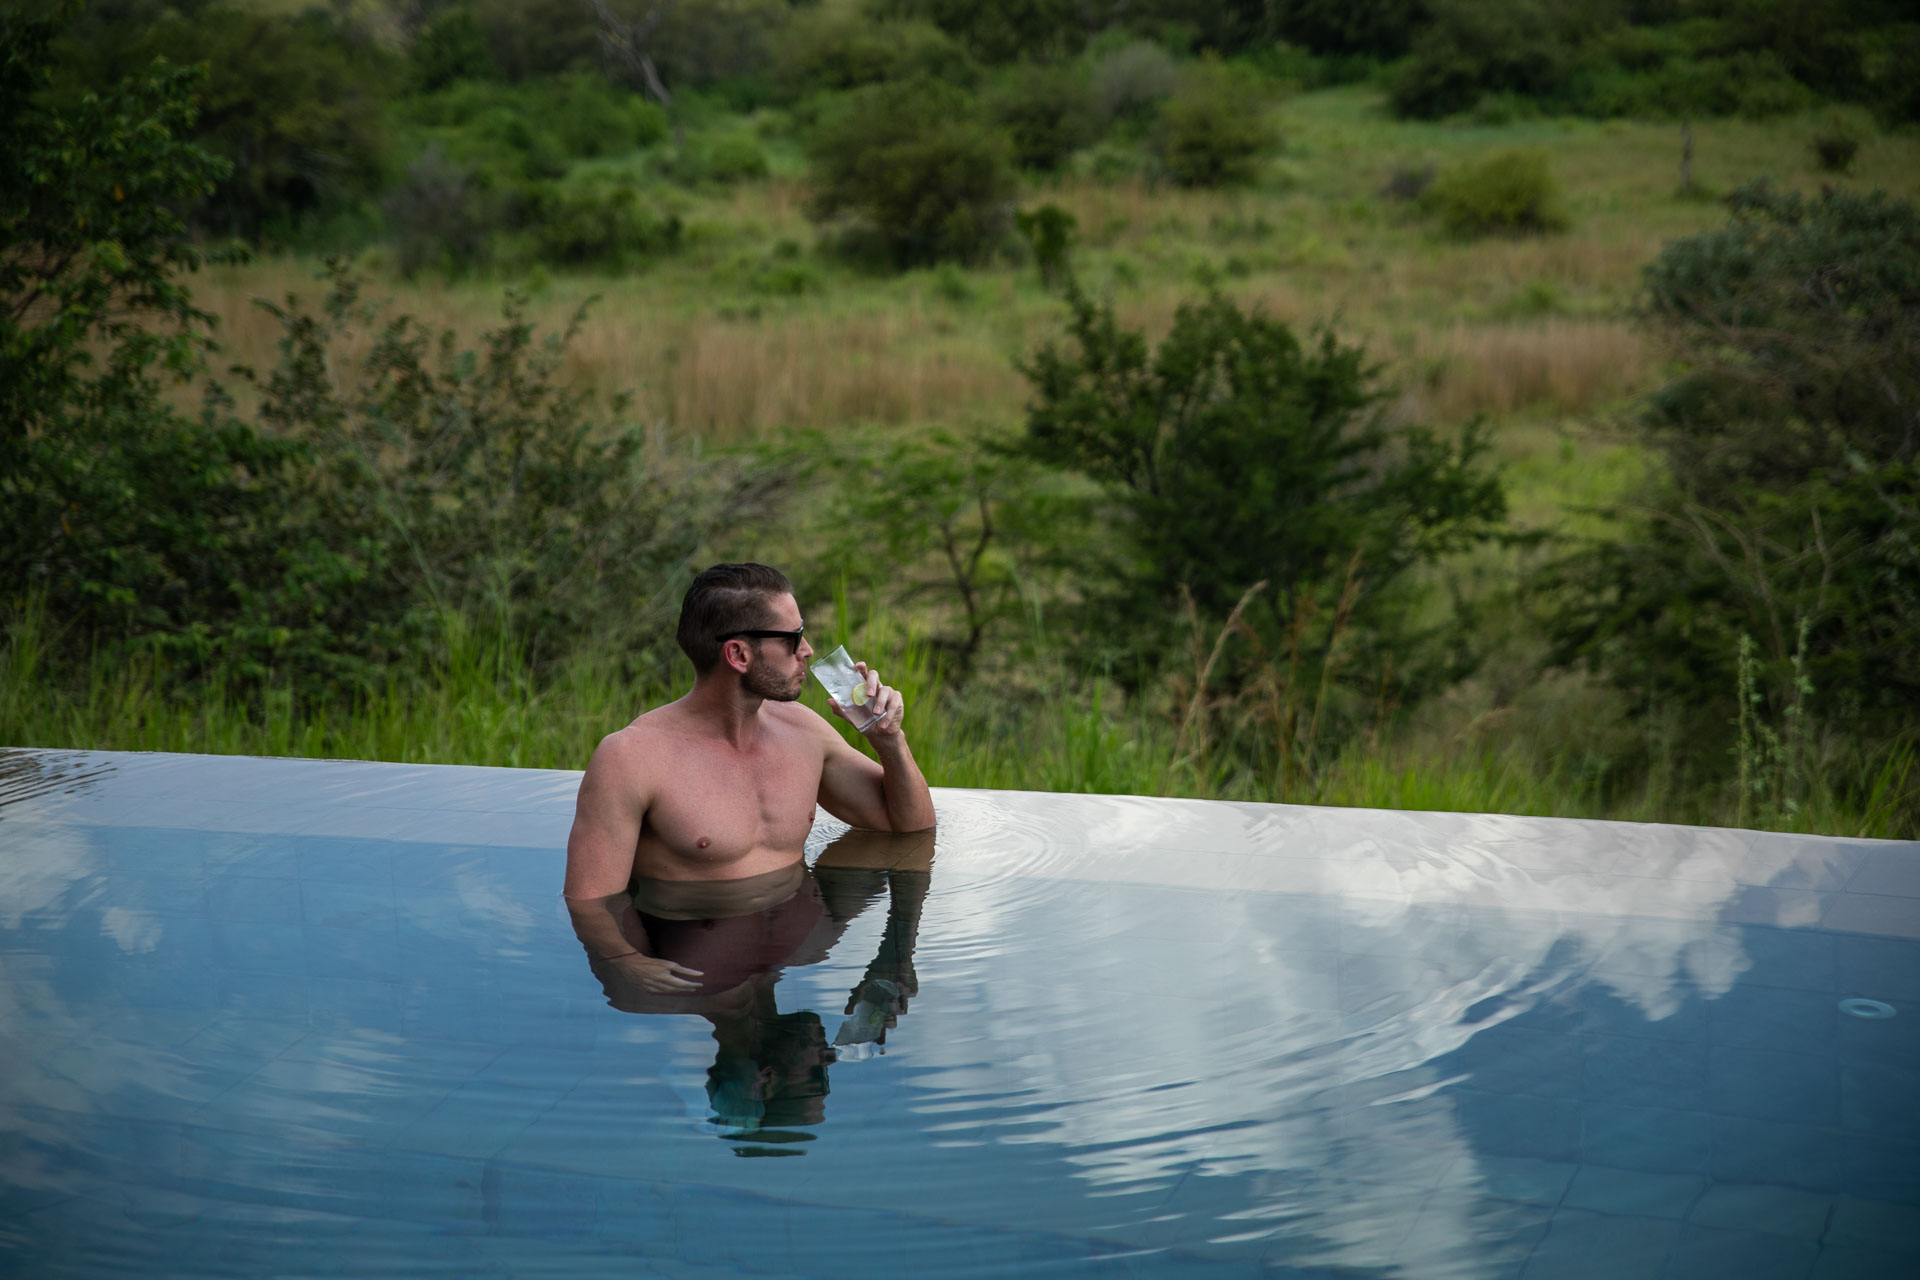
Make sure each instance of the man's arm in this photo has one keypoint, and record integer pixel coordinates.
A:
(887, 795)
(614, 798)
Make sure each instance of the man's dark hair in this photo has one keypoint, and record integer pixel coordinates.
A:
(724, 598)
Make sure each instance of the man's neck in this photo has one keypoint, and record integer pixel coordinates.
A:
(726, 710)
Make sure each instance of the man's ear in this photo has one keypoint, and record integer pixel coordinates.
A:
(737, 655)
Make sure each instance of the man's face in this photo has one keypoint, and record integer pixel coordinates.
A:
(777, 670)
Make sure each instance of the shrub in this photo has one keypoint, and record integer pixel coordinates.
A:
(1130, 82)
(1408, 182)
(1791, 476)
(1235, 455)
(1835, 144)
(1476, 47)
(1380, 28)
(914, 170)
(728, 158)
(1213, 132)
(442, 216)
(604, 225)
(1508, 193)
(1048, 113)
(452, 47)
(834, 52)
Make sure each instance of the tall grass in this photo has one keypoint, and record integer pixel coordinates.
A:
(479, 703)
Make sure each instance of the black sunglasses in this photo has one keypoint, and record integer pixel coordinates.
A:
(791, 637)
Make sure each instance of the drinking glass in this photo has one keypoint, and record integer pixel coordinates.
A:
(847, 686)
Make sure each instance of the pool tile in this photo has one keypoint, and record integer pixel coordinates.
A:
(1629, 1191)
(1791, 958)
(1706, 1253)
(1797, 1088)
(1870, 913)
(1594, 1246)
(1880, 1098)
(1864, 1262)
(347, 905)
(1869, 1222)
(1770, 1210)
(1518, 1178)
(1632, 1071)
(1543, 1128)
(1788, 1155)
(254, 899)
(1882, 968)
(1892, 871)
(1780, 1018)
(1521, 1060)
(1647, 1138)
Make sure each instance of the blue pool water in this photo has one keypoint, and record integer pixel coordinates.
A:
(284, 1018)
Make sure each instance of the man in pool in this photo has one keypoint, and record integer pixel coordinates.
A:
(720, 785)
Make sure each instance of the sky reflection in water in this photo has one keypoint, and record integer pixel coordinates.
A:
(1140, 1037)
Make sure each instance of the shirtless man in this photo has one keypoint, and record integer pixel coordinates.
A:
(721, 784)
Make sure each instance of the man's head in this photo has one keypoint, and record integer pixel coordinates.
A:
(724, 606)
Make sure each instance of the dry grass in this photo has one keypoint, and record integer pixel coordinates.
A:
(1564, 366)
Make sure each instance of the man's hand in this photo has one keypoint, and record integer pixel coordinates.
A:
(885, 707)
(655, 976)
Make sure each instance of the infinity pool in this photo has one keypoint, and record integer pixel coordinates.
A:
(272, 1017)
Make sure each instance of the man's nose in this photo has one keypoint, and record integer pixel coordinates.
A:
(806, 650)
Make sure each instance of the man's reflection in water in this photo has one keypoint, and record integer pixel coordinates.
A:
(769, 1072)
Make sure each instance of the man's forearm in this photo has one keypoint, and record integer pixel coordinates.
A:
(603, 929)
(909, 802)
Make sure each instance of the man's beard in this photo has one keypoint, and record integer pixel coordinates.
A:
(761, 681)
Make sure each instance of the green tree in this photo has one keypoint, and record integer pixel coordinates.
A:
(1790, 490)
(133, 523)
(1236, 458)
(1213, 131)
(920, 176)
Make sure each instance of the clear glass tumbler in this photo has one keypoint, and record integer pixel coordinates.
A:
(847, 686)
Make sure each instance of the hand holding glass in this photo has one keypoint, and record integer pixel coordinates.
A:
(845, 686)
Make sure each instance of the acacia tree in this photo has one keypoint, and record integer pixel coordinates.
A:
(1253, 483)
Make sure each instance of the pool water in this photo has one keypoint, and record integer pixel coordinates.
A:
(270, 1017)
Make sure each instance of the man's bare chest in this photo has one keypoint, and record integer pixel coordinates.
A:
(718, 805)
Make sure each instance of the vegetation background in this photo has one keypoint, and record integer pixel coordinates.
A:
(1419, 403)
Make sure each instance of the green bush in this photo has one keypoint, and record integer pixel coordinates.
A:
(1791, 474)
(1131, 81)
(1380, 28)
(1476, 47)
(918, 175)
(442, 216)
(1508, 193)
(452, 47)
(1213, 131)
(1048, 113)
(294, 103)
(1234, 455)
(726, 159)
(830, 52)
(606, 225)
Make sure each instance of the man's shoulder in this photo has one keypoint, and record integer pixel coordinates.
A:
(646, 732)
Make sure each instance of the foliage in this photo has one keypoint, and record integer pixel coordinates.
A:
(1001, 30)
(452, 47)
(1381, 28)
(293, 103)
(1213, 132)
(1048, 113)
(450, 483)
(1477, 47)
(1791, 492)
(1834, 145)
(608, 225)
(944, 522)
(1507, 193)
(1131, 81)
(1049, 231)
(125, 519)
(1242, 465)
(725, 159)
(916, 170)
(828, 52)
